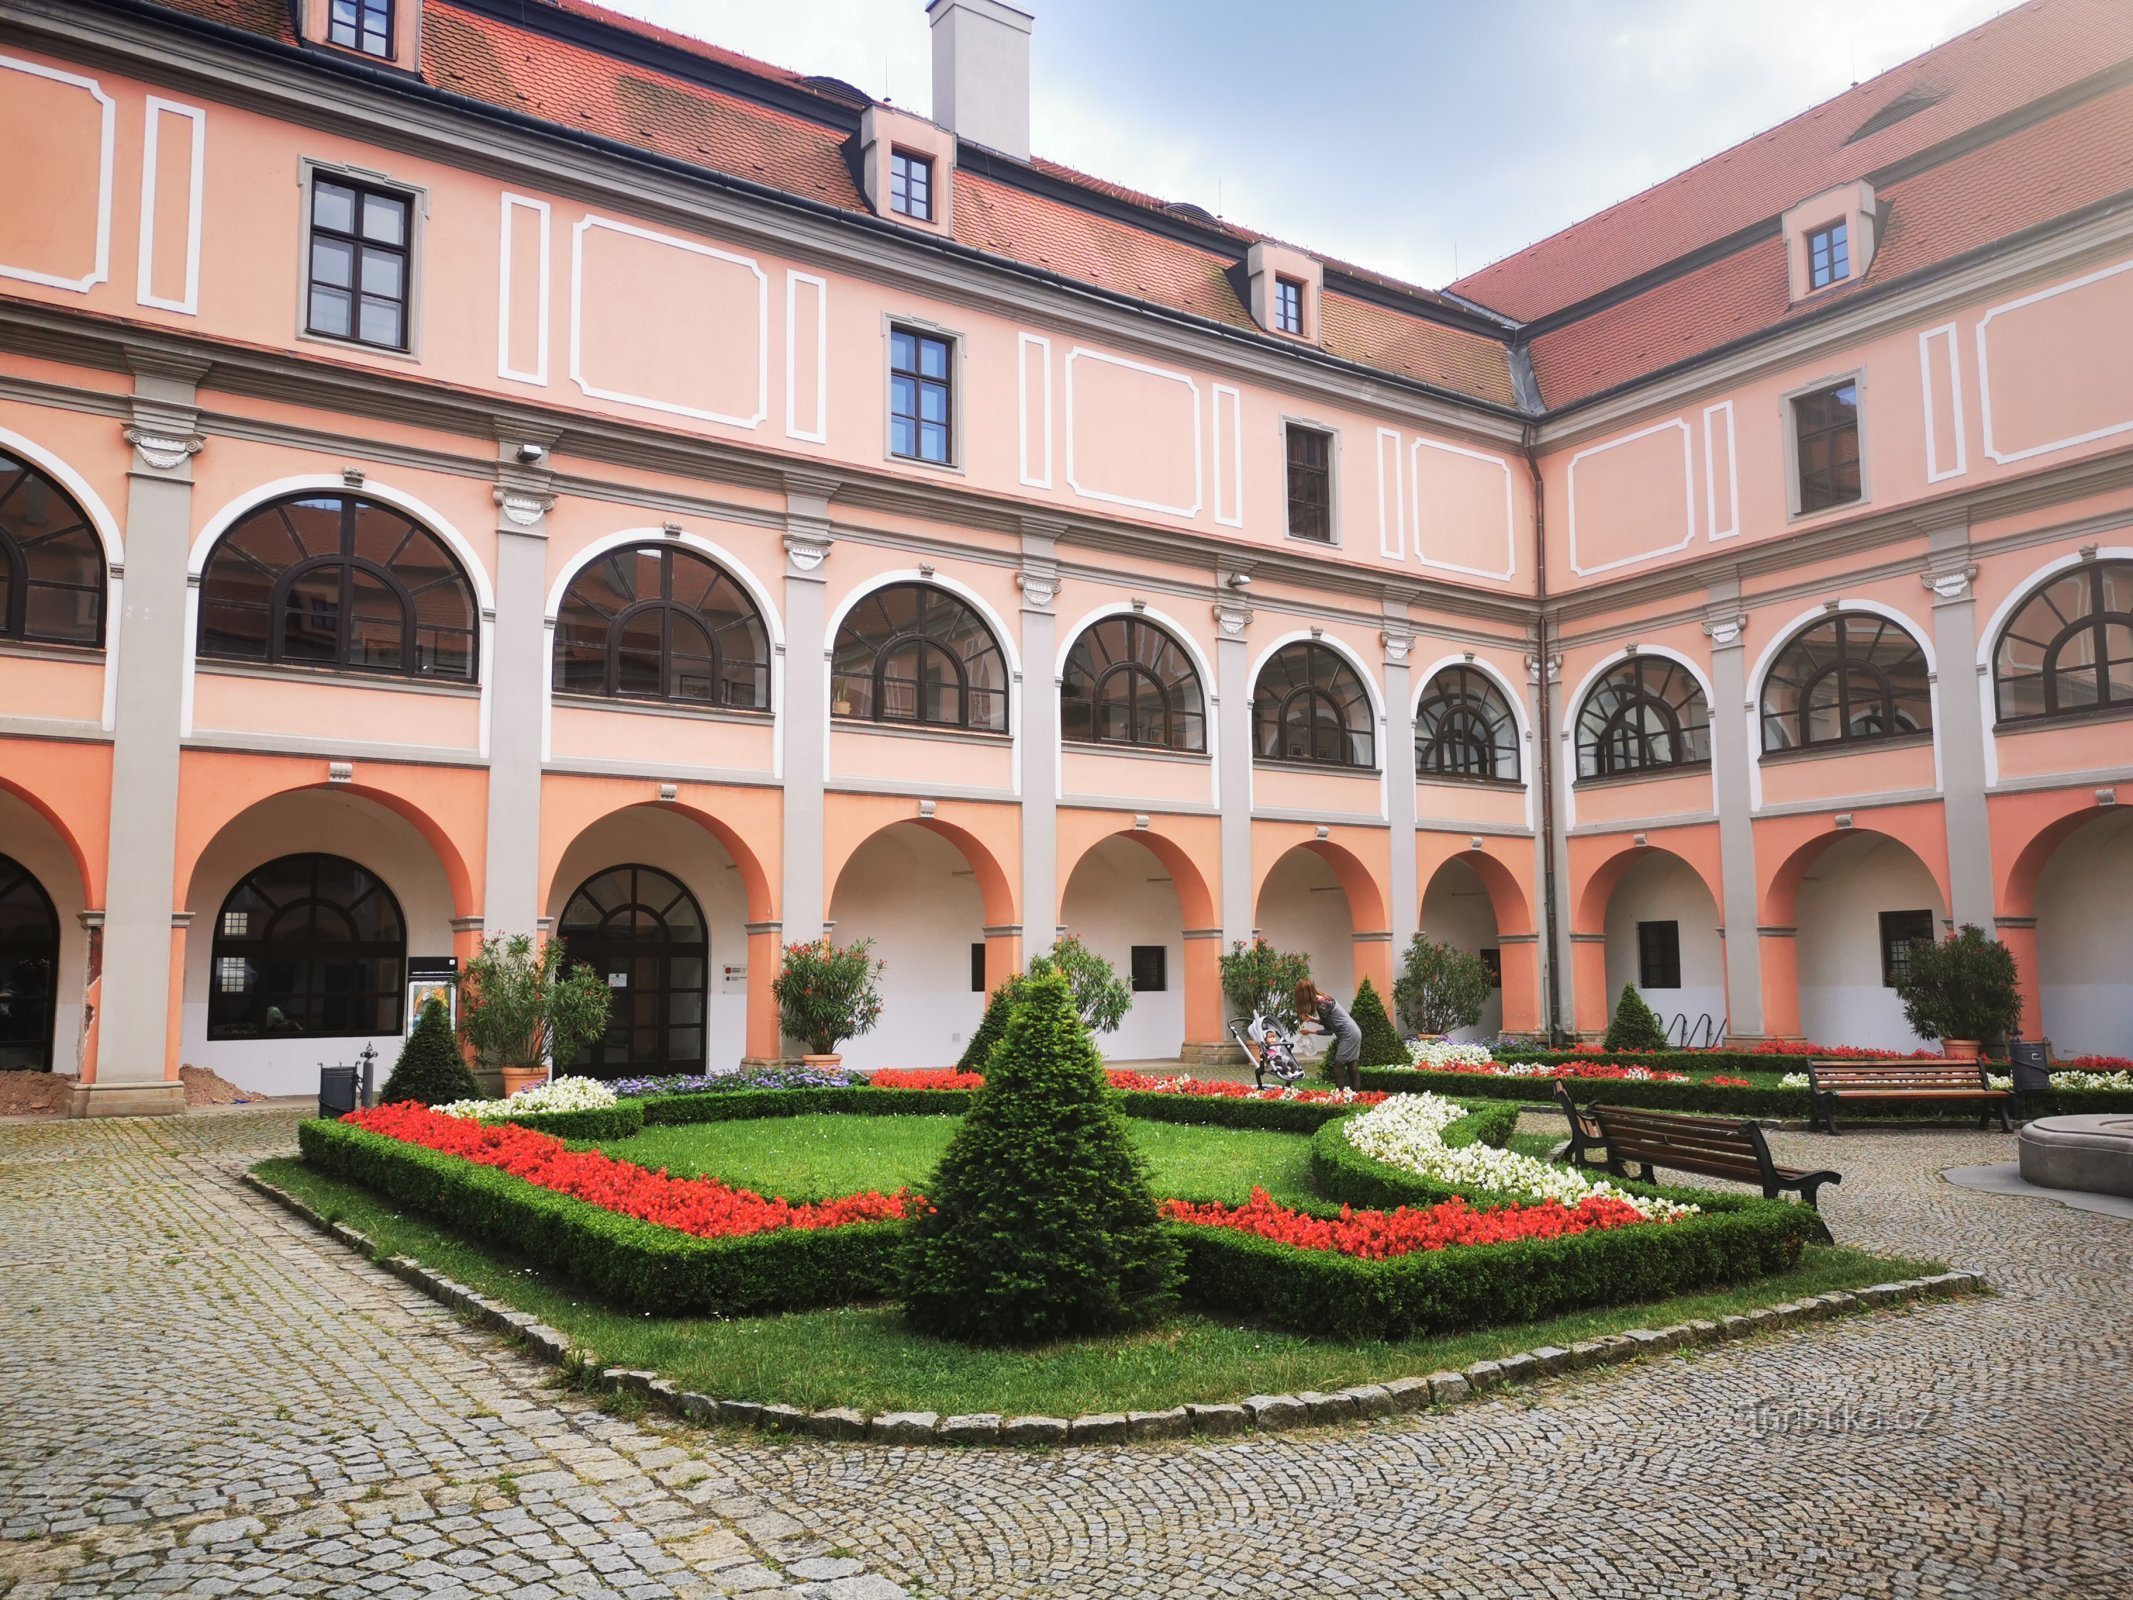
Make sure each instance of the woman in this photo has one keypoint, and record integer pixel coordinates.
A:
(1347, 1047)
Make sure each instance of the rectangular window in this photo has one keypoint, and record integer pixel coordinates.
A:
(977, 967)
(232, 973)
(1151, 969)
(911, 186)
(1826, 434)
(1310, 484)
(1899, 931)
(1493, 960)
(1829, 256)
(1658, 955)
(360, 262)
(1288, 306)
(365, 25)
(921, 396)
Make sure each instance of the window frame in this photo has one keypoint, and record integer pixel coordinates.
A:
(2096, 621)
(1308, 688)
(1134, 668)
(1157, 956)
(14, 609)
(1893, 965)
(1843, 667)
(218, 1024)
(1468, 672)
(919, 329)
(1658, 954)
(417, 199)
(876, 669)
(659, 945)
(354, 43)
(1836, 250)
(1291, 429)
(1676, 729)
(914, 164)
(1288, 297)
(670, 553)
(1790, 403)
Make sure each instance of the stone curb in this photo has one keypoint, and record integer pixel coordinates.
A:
(1263, 1413)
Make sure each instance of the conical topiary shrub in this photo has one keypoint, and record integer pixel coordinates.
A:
(992, 1027)
(430, 1068)
(1381, 1040)
(1041, 1224)
(1636, 1026)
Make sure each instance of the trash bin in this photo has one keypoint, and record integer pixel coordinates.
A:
(2031, 1060)
(336, 1091)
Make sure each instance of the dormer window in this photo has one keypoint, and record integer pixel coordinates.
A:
(362, 25)
(911, 186)
(1828, 256)
(1288, 306)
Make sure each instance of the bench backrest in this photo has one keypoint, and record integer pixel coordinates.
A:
(1930, 1073)
(1720, 1147)
(1579, 1119)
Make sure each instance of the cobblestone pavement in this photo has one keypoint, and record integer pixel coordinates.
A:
(186, 1418)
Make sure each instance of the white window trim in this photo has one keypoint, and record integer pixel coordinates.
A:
(958, 372)
(1332, 541)
(1789, 423)
(932, 218)
(1807, 256)
(418, 213)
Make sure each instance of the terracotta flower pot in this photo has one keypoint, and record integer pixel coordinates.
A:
(517, 1078)
(1961, 1049)
(822, 1063)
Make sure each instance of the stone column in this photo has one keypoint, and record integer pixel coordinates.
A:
(1730, 757)
(1554, 963)
(518, 666)
(1233, 722)
(1961, 722)
(1039, 580)
(1404, 894)
(135, 1072)
(803, 900)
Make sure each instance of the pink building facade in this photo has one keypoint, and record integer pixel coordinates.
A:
(471, 467)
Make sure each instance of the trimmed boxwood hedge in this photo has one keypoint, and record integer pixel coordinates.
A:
(1346, 1174)
(1430, 1291)
(1727, 1063)
(1213, 1111)
(621, 1259)
(619, 1121)
(1769, 1099)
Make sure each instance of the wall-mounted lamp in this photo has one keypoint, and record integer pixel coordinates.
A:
(1239, 580)
(1844, 819)
(530, 453)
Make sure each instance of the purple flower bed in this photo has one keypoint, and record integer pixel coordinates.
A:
(747, 1078)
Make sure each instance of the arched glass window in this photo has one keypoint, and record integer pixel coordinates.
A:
(1848, 678)
(1648, 713)
(1310, 705)
(308, 946)
(335, 580)
(660, 622)
(51, 561)
(913, 653)
(2070, 646)
(29, 970)
(1129, 682)
(1464, 728)
(644, 933)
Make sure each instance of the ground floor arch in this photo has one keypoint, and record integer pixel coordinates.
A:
(46, 1007)
(1662, 935)
(1458, 910)
(1122, 900)
(1320, 900)
(1857, 904)
(29, 970)
(916, 894)
(2081, 994)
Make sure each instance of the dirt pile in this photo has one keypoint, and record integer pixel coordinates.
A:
(206, 1087)
(29, 1094)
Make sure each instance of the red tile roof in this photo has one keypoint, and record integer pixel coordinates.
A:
(2080, 157)
(2020, 56)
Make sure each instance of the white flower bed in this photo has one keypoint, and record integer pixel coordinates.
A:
(2060, 1080)
(558, 1094)
(1407, 1131)
(1439, 1055)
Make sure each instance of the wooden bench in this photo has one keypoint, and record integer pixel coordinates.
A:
(1715, 1147)
(1933, 1080)
(1585, 1141)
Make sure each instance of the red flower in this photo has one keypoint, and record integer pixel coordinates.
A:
(925, 1078)
(1380, 1235)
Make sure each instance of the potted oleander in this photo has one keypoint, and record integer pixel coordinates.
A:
(827, 993)
(1440, 989)
(1963, 990)
(523, 1007)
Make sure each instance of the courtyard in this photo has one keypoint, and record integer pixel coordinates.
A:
(208, 1397)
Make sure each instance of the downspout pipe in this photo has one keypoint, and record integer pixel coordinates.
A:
(1551, 988)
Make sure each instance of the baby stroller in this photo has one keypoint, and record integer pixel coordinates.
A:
(1269, 1050)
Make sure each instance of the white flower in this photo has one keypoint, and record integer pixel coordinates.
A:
(1407, 1131)
(558, 1094)
(1793, 1080)
(1435, 1055)
(2074, 1080)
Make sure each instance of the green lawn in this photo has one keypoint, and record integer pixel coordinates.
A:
(863, 1356)
(814, 1158)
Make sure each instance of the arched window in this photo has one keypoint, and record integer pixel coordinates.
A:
(914, 653)
(29, 970)
(1464, 728)
(1310, 705)
(660, 622)
(335, 580)
(644, 933)
(1848, 678)
(1646, 714)
(307, 946)
(51, 561)
(1129, 682)
(2069, 647)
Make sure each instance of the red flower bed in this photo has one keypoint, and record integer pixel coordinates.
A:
(1223, 1089)
(1723, 1082)
(700, 1206)
(925, 1078)
(2095, 1064)
(1379, 1235)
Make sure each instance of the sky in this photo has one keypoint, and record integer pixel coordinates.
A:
(1421, 138)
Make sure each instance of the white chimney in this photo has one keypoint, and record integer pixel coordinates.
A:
(981, 73)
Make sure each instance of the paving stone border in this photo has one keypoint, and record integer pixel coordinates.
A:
(1259, 1412)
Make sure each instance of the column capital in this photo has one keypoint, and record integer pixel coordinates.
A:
(164, 449)
(1040, 584)
(1725, 627)
(1949, 585)
(1399, 645)
(522, 511)
(805, 551)
(1232, 618)
(1552, 666)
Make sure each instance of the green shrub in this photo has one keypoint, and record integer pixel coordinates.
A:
(1257, 978)
(622, 1120)
(1345, 1174)
(1440, 987)
(1961, 987)
(520, 1006)
(1636, 1026)
(992, 1027)
(827, 993)
(1041, 1225)
(623, 1261)
(1766, 1099)
(1100, 994)
(430, 1068)
(1382, 1045)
